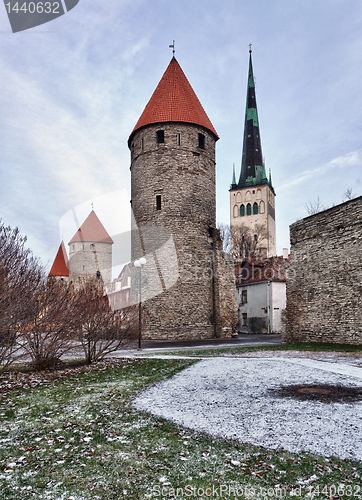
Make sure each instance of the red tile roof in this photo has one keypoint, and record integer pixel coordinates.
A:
(60, 265)
(174, 100)
(256, 271)
(92, 230)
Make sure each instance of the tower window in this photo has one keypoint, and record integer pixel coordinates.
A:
(201, 141)
(235, 211)
(179, 139)
(98, 274)
(158, 202)
(255, 208)
(142, 144)
(255, 237)
(248, 209)
(160, 136)
(83, 268)
(242, 210)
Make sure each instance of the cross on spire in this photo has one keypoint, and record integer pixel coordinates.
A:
(250, 51)
(173, 47)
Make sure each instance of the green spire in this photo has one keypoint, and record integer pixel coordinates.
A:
(234, 179)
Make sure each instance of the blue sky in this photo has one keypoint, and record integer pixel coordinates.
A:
(72, 90)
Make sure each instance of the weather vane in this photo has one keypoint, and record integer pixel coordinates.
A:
(250, 48)
(173, 47)
(92, 205)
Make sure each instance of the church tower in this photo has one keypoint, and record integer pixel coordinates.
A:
(173, 199)
(252, 199)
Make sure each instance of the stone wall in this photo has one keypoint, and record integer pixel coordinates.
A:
(324, 285)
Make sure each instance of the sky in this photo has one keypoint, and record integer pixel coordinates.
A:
(71, 91)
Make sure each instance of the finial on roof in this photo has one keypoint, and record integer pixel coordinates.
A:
(92, 204)
(173, 47)
(250, 51)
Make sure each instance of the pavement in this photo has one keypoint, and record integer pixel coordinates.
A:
(242, 340)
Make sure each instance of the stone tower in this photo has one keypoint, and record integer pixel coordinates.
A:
(252, 199)
(190, 291)
(60, 267)
(90, 252)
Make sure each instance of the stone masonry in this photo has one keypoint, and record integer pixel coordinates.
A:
(179, 238)
(324, 285)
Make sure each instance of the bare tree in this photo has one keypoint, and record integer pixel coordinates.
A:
(20, 275)
(248, 243)
(103, 331)
(52, 323)
(348, 195)
(314, 207)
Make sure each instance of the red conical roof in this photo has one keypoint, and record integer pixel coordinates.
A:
(60, 265)
(174, 100)
(92, 230)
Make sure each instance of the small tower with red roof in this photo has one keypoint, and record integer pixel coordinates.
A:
(60, 267)
(90, 252)
(173, 187)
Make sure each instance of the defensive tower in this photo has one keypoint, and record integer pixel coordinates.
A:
(90, 252)
(173, 189)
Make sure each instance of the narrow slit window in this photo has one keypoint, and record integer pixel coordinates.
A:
(160, 136)
(142, 144)
(201, 141)
(158, 202)
(179, 139)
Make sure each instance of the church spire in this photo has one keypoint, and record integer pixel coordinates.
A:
(252, 166)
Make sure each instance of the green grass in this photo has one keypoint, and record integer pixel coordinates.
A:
(80, 438)
(295, 346)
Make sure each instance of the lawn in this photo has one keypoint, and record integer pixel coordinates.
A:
(79, 437)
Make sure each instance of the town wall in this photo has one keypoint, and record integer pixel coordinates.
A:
(324, 285)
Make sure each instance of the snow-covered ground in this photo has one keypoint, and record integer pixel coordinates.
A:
(231, 398)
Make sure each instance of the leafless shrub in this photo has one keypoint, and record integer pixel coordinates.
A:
(53, 324)
(314, 207)
(103, 331)
(348, 195)
(20, 275)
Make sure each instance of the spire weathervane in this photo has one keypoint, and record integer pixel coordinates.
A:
(250, 51)
(173, 47)
(92, 205)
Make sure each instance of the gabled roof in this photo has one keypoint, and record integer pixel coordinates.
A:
(174, 100)
(92, 230)
(257, 271)
(60, 265)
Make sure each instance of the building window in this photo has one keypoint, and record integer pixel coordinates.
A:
(83, 247)
(158, 202)
(83, 267)
(160, 136)
(255, 208)
(242, 210)
(201, 141)
(244, 296)
(235, 211)
(244, 320)
(98, 274)
(73, 247)
(179, 139)
(248, 209)
(142, 144)
(255, 237)
(262, 207)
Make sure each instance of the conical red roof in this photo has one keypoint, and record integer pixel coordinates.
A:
(174, 100)
(92, 230)
(60, 265)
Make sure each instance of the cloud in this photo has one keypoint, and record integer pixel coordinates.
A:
(347, 161)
